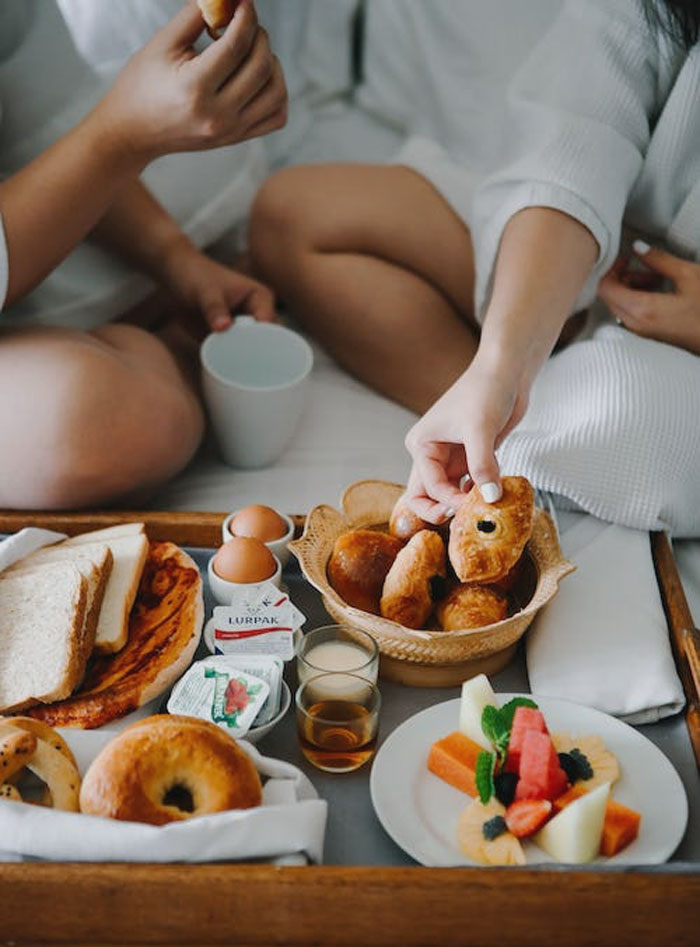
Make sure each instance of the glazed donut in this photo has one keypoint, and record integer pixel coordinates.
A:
(168, 768)
(359, 565)
(409, 588)
(471, 606)
(217, 14)
(487, 539)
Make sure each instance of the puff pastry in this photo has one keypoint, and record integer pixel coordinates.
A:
(471, 606)
(487, 539)
(409, 588)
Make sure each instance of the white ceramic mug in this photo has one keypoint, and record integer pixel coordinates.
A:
(255, 377)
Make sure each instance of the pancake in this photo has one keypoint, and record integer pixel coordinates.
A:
(165, 626)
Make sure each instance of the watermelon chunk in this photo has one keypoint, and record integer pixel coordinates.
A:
(541, 775)
(524, 719)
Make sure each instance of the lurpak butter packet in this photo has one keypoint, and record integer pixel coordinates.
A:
(216, 689)
(263, 621)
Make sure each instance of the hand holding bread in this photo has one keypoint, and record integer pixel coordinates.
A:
(169, 98)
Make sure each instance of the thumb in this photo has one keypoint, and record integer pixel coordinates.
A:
(483, 466)
(659, 260)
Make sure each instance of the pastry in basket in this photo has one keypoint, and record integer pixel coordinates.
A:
(169, 768)
(416, 576)
(471, 606)
(359, 564)
(164, 629)
(36, 765)
(487, 539)
(404, 523)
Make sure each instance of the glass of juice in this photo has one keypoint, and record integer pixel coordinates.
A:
(338, 720)
(337, 648)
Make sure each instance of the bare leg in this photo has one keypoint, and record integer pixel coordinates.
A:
(376, 265)
(90, 418)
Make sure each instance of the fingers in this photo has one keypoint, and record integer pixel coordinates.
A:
(182, 31)
(223, 58)
(483, 467)
(260, 303)
(635, 309)
(660, 261)
(217, 314)
(423, 505)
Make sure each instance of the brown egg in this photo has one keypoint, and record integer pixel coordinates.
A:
(244, 559)
(261, 522)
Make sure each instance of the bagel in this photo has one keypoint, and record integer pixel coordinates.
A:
(487, 539)
(412, 582)
(168, 768)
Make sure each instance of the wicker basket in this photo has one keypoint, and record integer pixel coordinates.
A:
(424, 658)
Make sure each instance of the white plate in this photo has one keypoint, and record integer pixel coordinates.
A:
(420, 811)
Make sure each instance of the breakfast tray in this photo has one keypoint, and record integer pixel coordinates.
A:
(345, 904)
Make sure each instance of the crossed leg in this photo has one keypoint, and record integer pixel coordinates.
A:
(374, 263)
(90, 418)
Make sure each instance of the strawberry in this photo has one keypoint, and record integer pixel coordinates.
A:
(525, 816)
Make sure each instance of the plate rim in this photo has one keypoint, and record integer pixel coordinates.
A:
(395, 832)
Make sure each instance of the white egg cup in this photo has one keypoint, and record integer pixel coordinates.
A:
(223, 590)
(278, 547)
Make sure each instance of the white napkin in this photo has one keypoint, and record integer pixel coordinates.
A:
(24, 542)
(603, 640)
(290, 822)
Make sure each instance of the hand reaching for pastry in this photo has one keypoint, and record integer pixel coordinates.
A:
(459, 435)
(636, 300)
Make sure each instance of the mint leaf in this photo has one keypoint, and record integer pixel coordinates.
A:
(485, 766)
(508, 710)
(492, 724)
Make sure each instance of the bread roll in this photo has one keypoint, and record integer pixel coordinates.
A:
(471, 606)
(410, 586)
(359, 565)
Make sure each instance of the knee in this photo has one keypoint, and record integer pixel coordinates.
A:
(101, 431)
(281, 222)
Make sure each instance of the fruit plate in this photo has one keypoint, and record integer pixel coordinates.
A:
(420, 811)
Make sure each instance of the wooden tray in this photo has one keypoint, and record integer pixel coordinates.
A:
(120, 904)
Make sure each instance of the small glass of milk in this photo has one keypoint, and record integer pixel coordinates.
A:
(337, 648)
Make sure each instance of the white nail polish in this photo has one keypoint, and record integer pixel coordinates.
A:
(449, 512)
(490, 492)
(641, 247)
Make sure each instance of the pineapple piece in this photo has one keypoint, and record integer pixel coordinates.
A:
(604, 764)
(505, 849)
(573, 836)
(477, 693)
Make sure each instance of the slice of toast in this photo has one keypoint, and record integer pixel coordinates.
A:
(42, 616)
(94, 560)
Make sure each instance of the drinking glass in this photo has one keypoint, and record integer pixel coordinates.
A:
(335, 648)
(338, 721)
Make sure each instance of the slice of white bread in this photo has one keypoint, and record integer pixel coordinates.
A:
(128, 544)
(107, 534)
(94, 560)
(41, 626)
